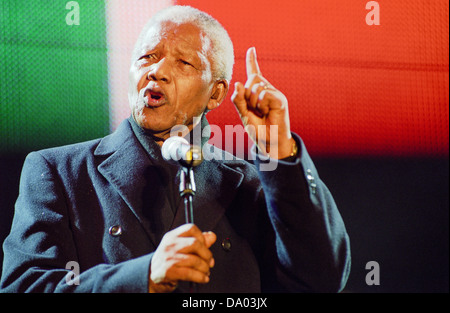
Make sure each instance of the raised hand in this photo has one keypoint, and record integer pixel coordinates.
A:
(260, 106)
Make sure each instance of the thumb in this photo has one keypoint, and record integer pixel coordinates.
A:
(238, 98)
(210, 238)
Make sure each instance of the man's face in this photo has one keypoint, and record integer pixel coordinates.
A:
(171, 79)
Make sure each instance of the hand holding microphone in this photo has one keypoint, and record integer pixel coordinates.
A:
(183, 253)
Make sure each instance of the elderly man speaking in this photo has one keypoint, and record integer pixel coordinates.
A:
(106, 215)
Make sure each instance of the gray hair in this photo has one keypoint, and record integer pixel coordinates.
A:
(222, 47)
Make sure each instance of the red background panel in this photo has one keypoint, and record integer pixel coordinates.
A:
(353, 89)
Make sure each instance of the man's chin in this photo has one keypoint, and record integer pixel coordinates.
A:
(152, 125)
(156, 123)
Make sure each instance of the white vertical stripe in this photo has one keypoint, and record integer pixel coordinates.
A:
(124, 20)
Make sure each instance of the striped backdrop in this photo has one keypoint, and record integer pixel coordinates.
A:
(354, 89)
(61, 82)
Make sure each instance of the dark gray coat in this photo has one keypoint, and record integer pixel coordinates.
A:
(281, 230)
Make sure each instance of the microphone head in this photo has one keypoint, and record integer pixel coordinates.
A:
(178, 149)
(170, 147)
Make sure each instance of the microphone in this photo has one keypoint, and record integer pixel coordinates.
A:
(189, 156)
(178, 149)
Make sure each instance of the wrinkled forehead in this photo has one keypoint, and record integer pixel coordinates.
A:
(185, 34)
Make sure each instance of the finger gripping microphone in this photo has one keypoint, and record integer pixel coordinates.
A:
(179, 150)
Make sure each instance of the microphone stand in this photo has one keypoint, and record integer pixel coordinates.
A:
(187, 189)
(187, 192)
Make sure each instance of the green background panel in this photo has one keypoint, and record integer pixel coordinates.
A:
(53, 76)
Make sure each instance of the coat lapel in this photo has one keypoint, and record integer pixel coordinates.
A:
(129, 170)
(216, 188)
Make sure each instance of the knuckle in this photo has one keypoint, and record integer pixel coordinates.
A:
(197, 244)
(253, 76)
(251, 80)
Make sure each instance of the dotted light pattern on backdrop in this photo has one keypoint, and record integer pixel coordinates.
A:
(353, 89)
(53, 76)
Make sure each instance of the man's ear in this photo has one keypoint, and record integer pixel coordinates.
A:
(220, 90)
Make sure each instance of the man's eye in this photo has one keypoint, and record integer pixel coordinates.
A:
(185, 62)
(147, 56)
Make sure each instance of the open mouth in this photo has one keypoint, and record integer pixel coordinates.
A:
(154, 98)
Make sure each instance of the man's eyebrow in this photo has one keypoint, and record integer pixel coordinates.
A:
(188, 52)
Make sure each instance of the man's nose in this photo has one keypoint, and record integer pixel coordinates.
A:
(159, 71)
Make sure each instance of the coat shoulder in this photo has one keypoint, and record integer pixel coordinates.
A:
(72, 153)
(77, 153)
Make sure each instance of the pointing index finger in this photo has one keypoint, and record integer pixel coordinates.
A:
(251, 63)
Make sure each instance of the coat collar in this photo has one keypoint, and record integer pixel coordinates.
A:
(127, 167)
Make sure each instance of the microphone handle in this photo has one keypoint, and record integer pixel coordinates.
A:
(187, 191)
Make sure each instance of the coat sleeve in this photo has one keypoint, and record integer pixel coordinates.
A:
(311, 242)
(40, 243)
